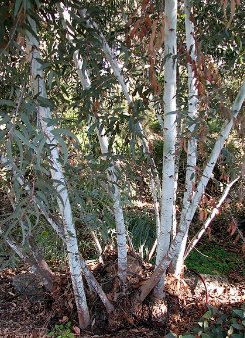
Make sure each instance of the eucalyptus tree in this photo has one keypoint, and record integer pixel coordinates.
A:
(117, 79)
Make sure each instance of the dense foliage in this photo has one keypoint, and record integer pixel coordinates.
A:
(96, 112)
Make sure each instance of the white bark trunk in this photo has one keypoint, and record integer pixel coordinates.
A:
(192, 115)
(118, 211)
(188, 213)
(39, 89)
(161, 269)
(98, 246)
(176, 243)
(111, 172)
(57, 228)
(170, 137)
(112, 59)
(155, 185)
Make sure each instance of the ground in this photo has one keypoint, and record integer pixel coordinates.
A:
(215, 276)
(21, 315)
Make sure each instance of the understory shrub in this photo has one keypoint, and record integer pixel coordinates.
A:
(216, 324)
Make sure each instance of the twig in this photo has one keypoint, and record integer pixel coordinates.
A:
(214, 212)
(204, 283)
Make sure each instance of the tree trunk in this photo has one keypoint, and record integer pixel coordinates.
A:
(111, 171)
(170, 137)
(189, 212)
(57, 228)
(112, 59)
(59, 183)
(118, 211)
(191, 162)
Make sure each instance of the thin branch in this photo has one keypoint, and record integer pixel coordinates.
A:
(188, 215)
(207, 223)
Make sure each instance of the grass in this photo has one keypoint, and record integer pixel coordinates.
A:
(213, 259)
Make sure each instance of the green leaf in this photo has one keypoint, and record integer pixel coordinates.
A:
(3, 133)
(22, 138)
(41, 169)
(92, 128)
(51, 121)
(8, 103)
(18, 4)
(9, 152)
(40, 195)
(38, 138)
(21, 152)
(29, 29)
(171, 335)
(239, 313)
(44, 102)
(63, 146)
(34, 214)
(237, 326)
(4, 120)
(66, 132)
(39, 150)
(26, 121)
(50, 78)
(192, 176)
(207, 315)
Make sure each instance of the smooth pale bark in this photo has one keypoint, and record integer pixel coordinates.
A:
(118, 211)
(207, 172)
(59, 183)
(176, 243)
(111, 171)
(112, 59)
(160, 270)
(188, 215)
(191, 162)
(98, 246)
(170, 137)
(207, 223)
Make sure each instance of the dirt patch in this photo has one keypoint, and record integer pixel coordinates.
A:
(25, 316)
(19, 315)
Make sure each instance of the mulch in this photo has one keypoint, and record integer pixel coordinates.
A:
(20, 316)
